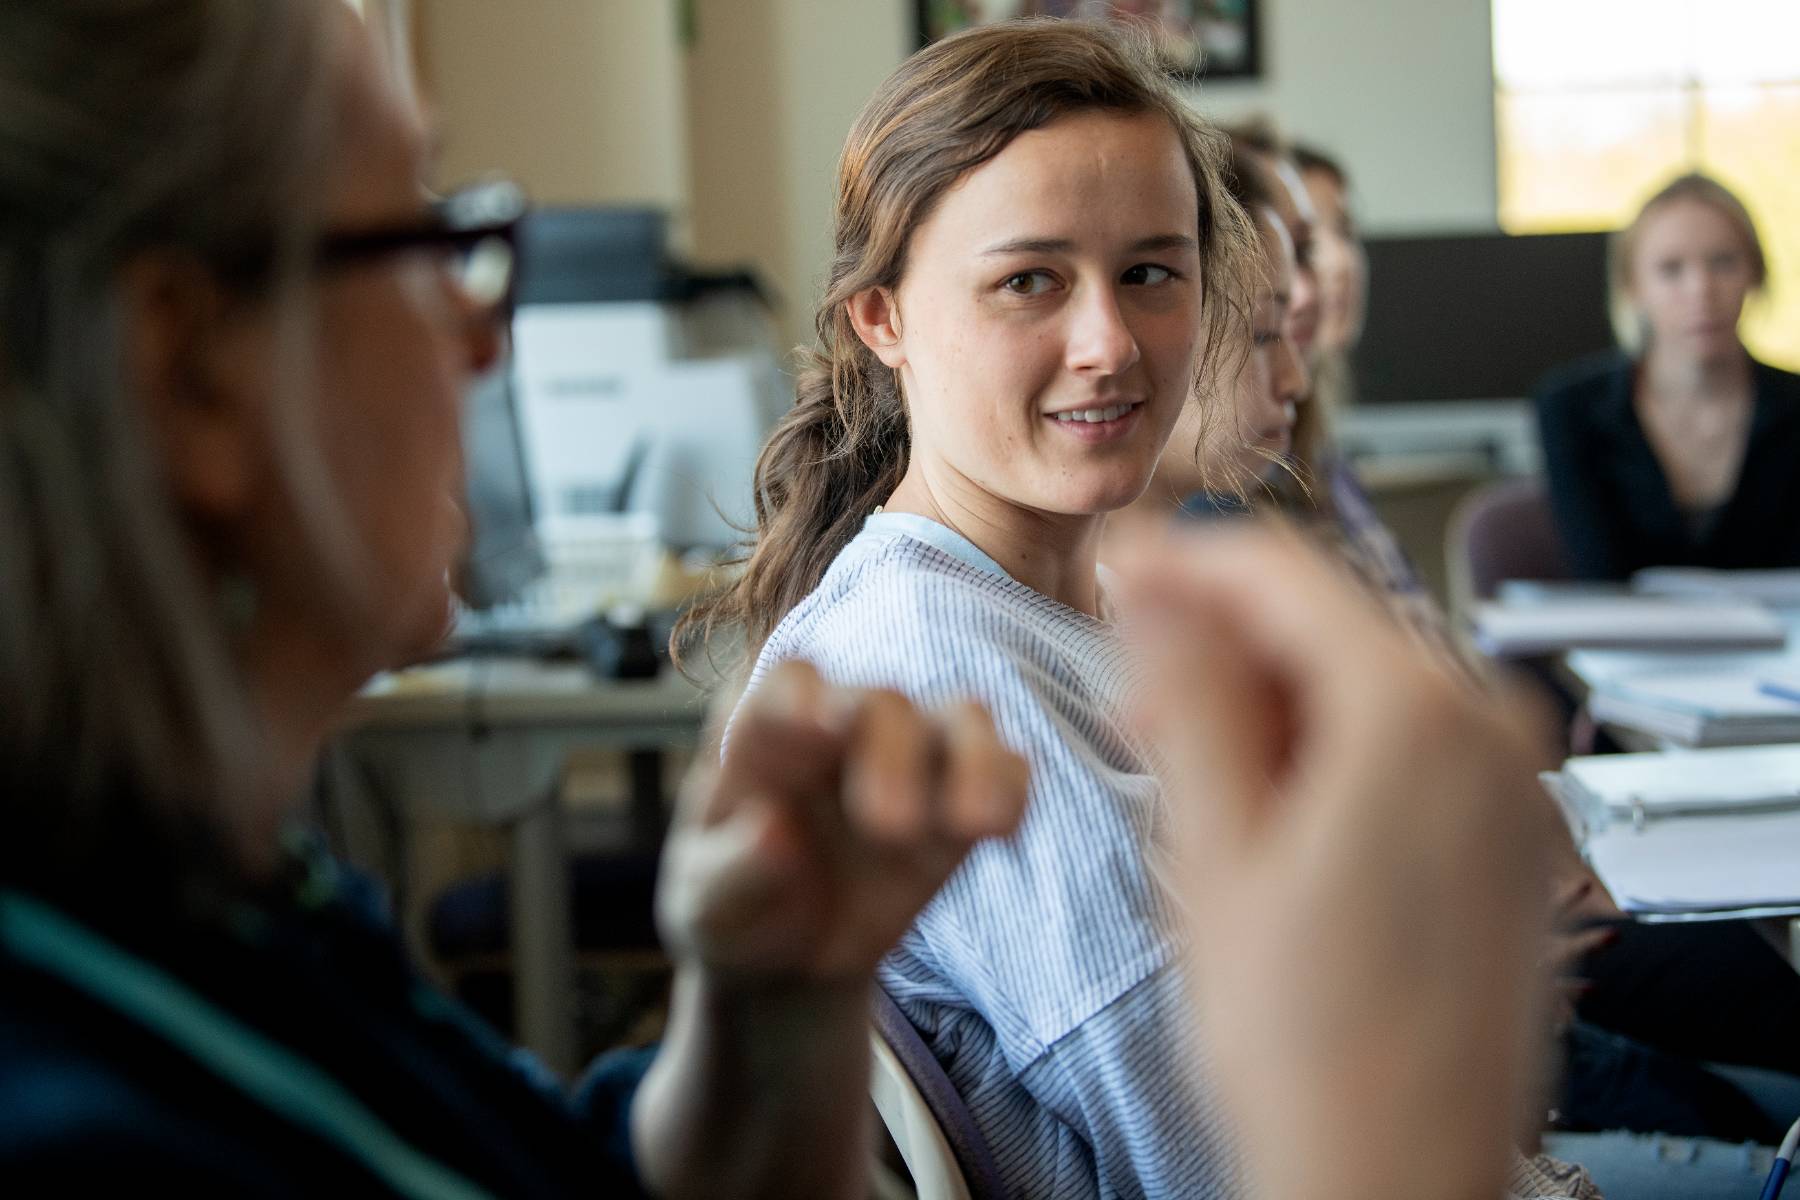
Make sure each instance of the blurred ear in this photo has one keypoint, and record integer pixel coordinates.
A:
(876, 319)
(195, 365)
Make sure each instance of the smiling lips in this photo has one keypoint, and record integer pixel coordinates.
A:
(1095, 416)
(1094, 425)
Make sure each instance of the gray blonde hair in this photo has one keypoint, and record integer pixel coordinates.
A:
(197, 127)
(1627, 322)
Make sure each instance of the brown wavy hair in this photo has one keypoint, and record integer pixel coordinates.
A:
(953, 106)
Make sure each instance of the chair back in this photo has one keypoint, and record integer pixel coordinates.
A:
(930, 1125)
(1502, 531)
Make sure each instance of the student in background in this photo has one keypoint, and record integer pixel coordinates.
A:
(233, 338)
(1256, 142)
(1228, 443)
(1343, 270)
(1679, 450)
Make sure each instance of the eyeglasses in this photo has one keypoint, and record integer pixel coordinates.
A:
(477, 229)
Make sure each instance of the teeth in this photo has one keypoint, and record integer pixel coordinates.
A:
(1095, 415)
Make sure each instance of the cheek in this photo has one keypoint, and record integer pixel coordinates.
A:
(394, 405)
(974, 375)
(1170, 343)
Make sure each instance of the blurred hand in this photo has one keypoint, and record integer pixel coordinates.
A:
(834, 817)
(1364, 883)
(1579, 901)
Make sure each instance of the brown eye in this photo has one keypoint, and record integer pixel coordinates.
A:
(1027, 283)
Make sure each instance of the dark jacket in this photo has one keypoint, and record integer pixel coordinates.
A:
(282, 1048)
(1613, 507)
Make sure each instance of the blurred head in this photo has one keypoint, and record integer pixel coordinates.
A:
(231, 471)
(1339, 262)
(1681, 271)
(1258, 140)
(1015, 247)
(1229, 447)
(1273, 383)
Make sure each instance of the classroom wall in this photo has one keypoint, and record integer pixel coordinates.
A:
(773, 86)
(731, 112)
(1401, 90)
(582, 101)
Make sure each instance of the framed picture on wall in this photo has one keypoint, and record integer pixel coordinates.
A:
(1200, 39)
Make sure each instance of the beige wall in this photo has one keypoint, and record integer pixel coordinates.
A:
(581, 100)
(1401, 90)
(772, 88)
(737, 131)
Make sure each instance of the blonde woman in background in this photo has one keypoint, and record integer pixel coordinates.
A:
(1679, 449)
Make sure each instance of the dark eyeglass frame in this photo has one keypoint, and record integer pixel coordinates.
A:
(462, 221)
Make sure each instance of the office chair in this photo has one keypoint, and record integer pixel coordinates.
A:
(1502, 531)
(928, 1122)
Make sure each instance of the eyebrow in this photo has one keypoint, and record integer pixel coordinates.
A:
(1029, 245)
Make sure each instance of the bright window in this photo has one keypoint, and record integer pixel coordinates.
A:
(1598, 103)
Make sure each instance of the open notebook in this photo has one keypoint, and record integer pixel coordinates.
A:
(1703, 867)
(1700, 782)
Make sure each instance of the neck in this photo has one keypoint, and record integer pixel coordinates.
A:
(1149, 514)
(298, 703)
(1052, 553)
(1675, 377)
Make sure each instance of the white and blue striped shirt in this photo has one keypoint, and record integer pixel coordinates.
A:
(1044, 974)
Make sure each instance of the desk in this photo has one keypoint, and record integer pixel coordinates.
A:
(486, 740)
(1584, 671)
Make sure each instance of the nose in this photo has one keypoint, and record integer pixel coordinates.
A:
(1291, 381)
(1100, 342)
(482, 328)
(1303, 309)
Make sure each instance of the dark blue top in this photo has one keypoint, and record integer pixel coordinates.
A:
(1614, 510)
(276, 1047)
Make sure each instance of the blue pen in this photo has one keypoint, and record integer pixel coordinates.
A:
(1780, 689)
(1784, 1159)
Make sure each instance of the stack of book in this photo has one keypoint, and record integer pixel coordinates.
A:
(1779, 589)
(1514, 630)
(1705, 835)
(1698, 708)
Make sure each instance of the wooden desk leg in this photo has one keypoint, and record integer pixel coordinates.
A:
(543, 937)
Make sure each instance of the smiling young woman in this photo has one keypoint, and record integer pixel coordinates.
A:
(1035, 257)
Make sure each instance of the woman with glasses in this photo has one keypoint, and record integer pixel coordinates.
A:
(233, 340)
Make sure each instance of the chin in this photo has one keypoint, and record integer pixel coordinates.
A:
(423, 638)
(1099, 501)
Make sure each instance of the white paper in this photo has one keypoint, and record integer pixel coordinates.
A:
(1699, 864)
(1781, 587)
(1692, 781)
